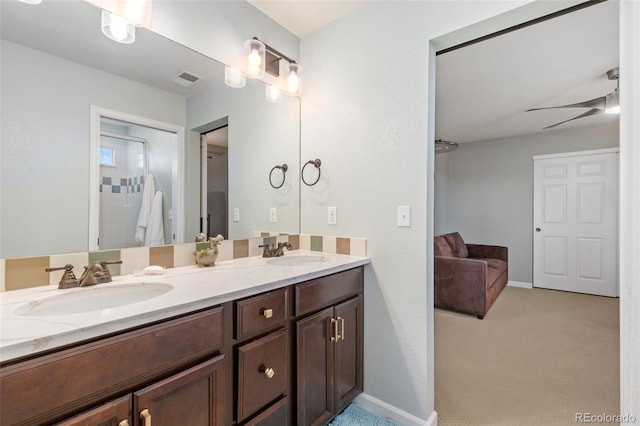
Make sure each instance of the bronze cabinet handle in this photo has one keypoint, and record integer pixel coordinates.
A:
(334, 323)
(341, 335)
(145, 415)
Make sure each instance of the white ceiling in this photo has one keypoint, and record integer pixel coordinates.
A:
(483, 90)
(303, 17)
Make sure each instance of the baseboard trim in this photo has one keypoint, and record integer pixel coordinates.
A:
(519, 284)
(383, 409)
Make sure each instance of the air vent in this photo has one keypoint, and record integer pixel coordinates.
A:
(186, 79)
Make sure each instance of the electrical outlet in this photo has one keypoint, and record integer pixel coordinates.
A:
(332, 216)
(273, 215)
(236, 214)
(404, 216)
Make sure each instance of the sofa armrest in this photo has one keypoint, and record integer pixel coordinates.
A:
(460, 284)
(488, 252)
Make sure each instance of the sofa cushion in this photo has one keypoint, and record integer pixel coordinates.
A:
(495, 268)
(441, 247)
(458, 247)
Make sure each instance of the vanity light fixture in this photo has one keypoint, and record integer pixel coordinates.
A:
(117, 28)
(234, 78)
(273, 94)
(254, 54)
(121, 25)
(261, 58)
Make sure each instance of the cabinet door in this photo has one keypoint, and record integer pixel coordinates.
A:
(348, 352)
(194, 397)
(315, 368)
(112, 413)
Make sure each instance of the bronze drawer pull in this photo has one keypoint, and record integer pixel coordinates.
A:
(146, 417)
(269, 372)
(267, 313)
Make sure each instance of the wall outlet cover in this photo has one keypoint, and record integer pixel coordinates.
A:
(404, 216)
(332, 215)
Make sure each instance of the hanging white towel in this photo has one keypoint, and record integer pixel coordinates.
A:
(155, 226)
(148, 194)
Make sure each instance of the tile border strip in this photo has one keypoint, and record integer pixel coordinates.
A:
(169, 256)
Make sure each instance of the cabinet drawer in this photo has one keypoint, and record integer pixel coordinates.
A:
(276, 415)
(260, 313)
(319, 293)
(77, 378)
(262, 372)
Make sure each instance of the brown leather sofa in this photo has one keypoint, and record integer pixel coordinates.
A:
(468, 278)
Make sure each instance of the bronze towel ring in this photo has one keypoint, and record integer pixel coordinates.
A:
(284, 168)
(317, 164)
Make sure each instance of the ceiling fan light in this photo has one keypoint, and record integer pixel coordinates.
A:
(445, 146)
(612, 103)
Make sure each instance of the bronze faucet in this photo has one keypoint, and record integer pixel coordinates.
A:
(97, 273)
(268, 251)
(280, 250)
(68, 279)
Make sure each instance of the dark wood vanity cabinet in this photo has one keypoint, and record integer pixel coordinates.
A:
(287, 356)
(329, 345)
(95, 376)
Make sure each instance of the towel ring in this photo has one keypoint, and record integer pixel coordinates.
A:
(284, 169)
(317, 164)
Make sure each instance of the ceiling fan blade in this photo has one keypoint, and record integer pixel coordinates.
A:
(593, 111)
(597, 103)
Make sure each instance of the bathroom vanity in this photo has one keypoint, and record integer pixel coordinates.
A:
(247, 342)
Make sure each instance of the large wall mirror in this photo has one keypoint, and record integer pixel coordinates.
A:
(57, 67)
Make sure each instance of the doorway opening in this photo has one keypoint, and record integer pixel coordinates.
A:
(136, 181)
(215, 181)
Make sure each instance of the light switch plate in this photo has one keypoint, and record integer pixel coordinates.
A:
(332, 215)
(273, 215)
(236, 214)
(404, 216)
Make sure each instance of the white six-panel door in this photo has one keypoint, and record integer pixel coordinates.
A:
(575, 222)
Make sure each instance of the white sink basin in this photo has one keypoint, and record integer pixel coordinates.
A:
(300, 260)
(94, 298)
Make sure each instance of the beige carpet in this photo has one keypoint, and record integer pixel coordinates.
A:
(538, 358)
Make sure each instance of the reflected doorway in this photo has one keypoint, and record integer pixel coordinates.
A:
(136, 178)
(215, 181)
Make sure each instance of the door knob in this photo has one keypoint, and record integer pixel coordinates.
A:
(537, 229)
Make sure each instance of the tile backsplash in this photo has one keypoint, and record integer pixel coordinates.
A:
(25, 272)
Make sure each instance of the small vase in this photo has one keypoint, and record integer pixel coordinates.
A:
(207, 257)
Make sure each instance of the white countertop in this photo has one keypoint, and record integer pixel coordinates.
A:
(193, 288)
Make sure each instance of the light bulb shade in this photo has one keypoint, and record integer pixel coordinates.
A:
(135, 11)
(273, 94)
(117, 28)
(293, 79)
(612, 103)
(254, 56)
(234, 78)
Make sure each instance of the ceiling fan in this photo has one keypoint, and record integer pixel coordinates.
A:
(604, 104)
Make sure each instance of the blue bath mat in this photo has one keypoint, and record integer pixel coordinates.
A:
(353, 415)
